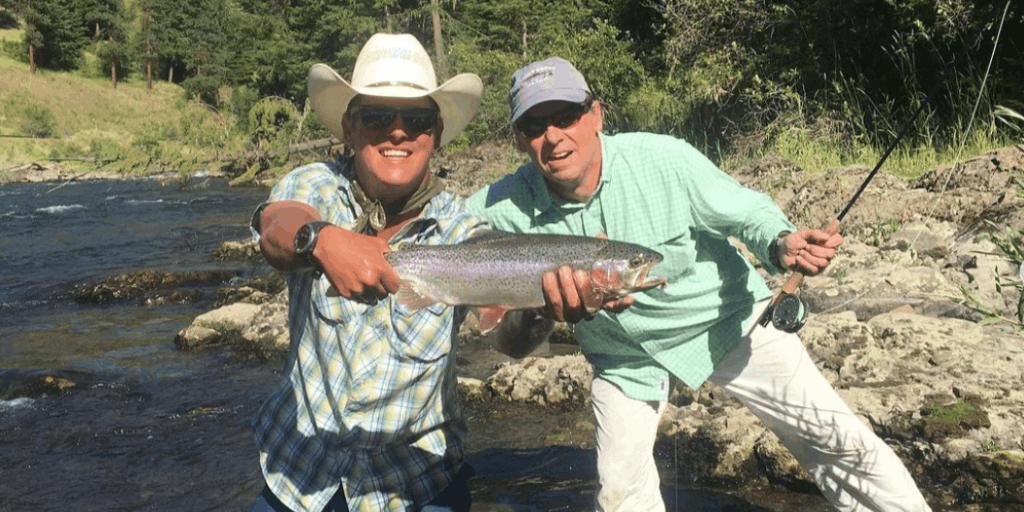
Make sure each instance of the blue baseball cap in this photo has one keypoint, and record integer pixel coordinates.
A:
(552, 79)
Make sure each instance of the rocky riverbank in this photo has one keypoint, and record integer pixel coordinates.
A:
(888, 329)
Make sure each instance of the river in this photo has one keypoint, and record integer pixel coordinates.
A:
(148, 427)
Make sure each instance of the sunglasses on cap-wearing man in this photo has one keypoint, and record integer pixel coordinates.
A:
(379, 117)
(534, 126)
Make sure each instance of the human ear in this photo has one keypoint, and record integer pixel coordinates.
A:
(437, 133)
(595, 109)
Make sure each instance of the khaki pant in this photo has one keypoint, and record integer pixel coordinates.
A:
(770, 372)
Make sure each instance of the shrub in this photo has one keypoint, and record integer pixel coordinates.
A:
(203, 88)
(240, 102)
(270, 118)
(38, 122)
(149, 138)
(66, 150)
(7, 19)
(15, 50)
(104, 149)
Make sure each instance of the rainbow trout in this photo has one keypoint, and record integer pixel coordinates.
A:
(498, 271)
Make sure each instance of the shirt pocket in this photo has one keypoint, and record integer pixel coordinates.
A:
(677, 248)
(423, 335)
(333, 310)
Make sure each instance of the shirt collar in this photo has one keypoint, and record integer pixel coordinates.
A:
(419, 228)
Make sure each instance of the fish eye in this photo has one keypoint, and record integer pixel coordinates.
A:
(636, 261)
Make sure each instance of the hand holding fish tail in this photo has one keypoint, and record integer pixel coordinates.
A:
(808, 251)
(355, 265)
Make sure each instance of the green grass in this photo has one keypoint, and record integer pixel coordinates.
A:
(950, 414)
(816, 153)
(84, 109)
(130, 124)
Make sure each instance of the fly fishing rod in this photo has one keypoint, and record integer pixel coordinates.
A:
(787, 311)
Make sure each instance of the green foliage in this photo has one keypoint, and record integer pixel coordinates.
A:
(951, 414)
(7, 19)
(990, 446)
(38, 121)
(1011, 118)
(240, 102)
(149, 138)
(55, 29)
(1011, 243)
(103, 149)
(14, 50)
(202, 88)
(270, 119)
(65, 149)
(110, 20)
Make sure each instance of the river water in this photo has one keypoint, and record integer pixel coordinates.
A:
(146, 426)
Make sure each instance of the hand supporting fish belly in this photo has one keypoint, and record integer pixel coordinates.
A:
(499, 272)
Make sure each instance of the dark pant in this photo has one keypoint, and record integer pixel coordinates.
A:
(454, 498)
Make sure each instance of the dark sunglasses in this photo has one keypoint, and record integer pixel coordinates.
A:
(377, 118)
(535, 126)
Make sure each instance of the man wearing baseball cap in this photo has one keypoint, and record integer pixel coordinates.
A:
(660, 192)
(366, 417)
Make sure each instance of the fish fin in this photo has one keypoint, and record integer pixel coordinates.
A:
(412, 299)
(485, 234)
(490, 317)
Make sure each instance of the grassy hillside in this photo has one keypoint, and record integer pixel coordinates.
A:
(75, 116)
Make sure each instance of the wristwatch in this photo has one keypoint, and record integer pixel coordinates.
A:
(306, 238)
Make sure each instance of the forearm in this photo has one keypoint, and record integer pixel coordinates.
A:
(278, 223)
(521, 332)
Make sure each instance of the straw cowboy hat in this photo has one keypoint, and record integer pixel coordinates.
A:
(394, 66)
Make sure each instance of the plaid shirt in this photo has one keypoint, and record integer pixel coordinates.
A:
(369, 396)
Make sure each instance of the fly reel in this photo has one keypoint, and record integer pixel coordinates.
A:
(787, 314)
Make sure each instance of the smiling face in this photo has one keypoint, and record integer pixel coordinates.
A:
(568, 154)
(391, 157)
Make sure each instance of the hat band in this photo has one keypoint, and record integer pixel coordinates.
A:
(405, 84)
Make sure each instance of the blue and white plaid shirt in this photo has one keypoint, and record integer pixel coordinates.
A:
(369, 398)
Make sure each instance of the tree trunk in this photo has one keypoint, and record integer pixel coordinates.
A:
(32, 58)
(170, 74)
(524, 39)
(442, 60)
(113, 65)
(149, 53)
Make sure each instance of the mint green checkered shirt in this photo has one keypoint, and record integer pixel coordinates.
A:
(369, 398)
(660, 192)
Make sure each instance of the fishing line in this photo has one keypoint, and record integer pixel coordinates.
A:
(956, 162)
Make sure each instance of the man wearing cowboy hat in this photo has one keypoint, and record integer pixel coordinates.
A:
(367, 415)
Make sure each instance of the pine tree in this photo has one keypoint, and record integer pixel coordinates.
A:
(54, 33)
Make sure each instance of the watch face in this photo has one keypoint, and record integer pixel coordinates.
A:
(305, 238)
(302, 238)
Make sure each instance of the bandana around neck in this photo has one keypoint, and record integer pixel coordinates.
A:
(375, 215)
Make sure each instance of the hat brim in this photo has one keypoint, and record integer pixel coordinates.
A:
(571, 95)
(458, 99)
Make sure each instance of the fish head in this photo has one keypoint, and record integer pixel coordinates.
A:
(625, 268)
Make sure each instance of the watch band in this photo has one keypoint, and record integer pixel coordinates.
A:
(773, 250)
